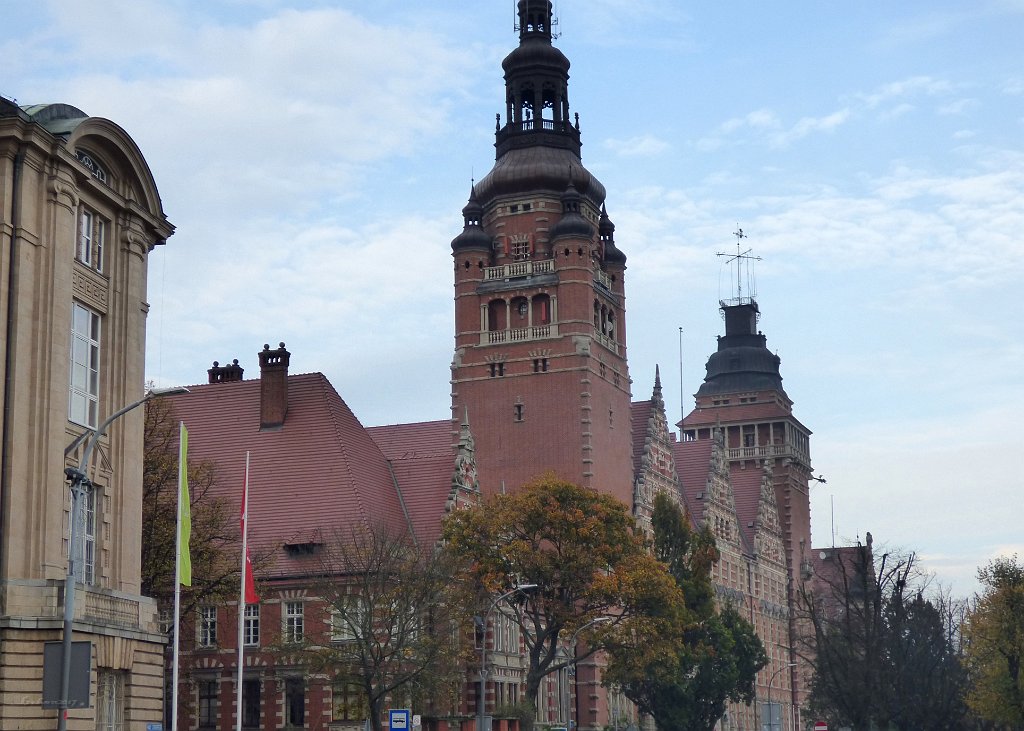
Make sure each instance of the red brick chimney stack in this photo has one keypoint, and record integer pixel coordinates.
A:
(273, 386)
(225, 374)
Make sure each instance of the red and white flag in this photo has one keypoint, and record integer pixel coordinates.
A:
(248, 581)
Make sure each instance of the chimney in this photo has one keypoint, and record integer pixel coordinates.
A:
(225, 374)
(273, 387)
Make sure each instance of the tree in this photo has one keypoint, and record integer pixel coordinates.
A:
(393, 613)
(718, 653)
(579, 549)
(884, 656)
(216, 537)
(994, 643)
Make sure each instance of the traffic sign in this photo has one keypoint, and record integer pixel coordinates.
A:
(398, 719)
(820, 726)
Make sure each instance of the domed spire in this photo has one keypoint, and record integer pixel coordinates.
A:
(535, 19)
(572, 222)
(743, 361)
(473, 236)
(606, 231)
(537, 87)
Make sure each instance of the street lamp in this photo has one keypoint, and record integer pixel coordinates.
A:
(79, 480)
(771, 715)
(576, 699)
(483, 651)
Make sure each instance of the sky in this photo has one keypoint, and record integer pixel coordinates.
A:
(315, 158)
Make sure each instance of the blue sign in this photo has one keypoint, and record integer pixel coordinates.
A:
(154, 727)
(398, 719)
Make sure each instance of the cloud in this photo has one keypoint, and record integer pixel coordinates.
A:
(810, 125)
(642, 146)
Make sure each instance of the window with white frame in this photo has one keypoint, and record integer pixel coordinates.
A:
(207, 626)
(293, 629)
(84, 389)
(251, 627)
(109, 700)
(347, 620)
(92, 239)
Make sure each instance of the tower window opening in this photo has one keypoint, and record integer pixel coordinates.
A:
(526, 206)
(466, 265)
(540, 365)
(579, 251)
(518, 411)
(497, 369)
(514, 208)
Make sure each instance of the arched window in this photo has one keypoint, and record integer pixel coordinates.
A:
(496, 311)
(542, 310)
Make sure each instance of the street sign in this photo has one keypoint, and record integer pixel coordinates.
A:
(820, 726)
(398, 719)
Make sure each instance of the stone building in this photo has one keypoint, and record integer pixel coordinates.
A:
(79, 215)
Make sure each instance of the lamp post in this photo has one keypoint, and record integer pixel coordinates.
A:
(79, 480)
(574, 721)
(483, 651)
(771, 722)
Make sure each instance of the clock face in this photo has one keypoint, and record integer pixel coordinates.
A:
(824, 555)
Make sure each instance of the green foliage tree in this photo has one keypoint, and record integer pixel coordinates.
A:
(579, 548)
(717, 653)
(884, 656)
(994, 644)
(393, 613)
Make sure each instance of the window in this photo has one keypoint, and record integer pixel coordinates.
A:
(207, 709)
(251, 628)
(88, 573)
(207, 626)
(251, 703)
(348, 703)
(294, 703)
(92, 234)
(347, 622)
(293, 621)
(85, 366)
(109, 700)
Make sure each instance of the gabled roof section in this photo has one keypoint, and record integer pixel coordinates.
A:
(693, 463)
(422, 458)
(746, 489)
(319, 474)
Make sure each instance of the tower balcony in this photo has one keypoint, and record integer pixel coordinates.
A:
(607, 342)
(518, 335)
(603, 279)
(537, 132)
(769, 451)
(519, 269)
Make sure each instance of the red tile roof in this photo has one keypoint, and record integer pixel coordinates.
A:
(746, 490)
(767, 410)
(319, 473)
(422, 456)
(693, 463)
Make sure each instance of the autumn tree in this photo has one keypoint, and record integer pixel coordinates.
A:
(393, 612)
(994, 644)
(216, 535)
(579, 548)
(884, 655)
(718, 653)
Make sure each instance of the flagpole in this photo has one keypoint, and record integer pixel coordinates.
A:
(241, 597)
(182, 446)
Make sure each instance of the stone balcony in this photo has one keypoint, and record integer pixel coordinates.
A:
(519, 269)
(521, 334)
(769, 451)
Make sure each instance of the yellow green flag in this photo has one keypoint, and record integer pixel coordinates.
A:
(184, 511)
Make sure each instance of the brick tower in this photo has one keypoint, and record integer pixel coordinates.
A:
(540, 355)
(742, 396)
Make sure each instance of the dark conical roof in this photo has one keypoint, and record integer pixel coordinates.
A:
(743, 361)
(473, 236)
(606, 229)
(572, 222)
